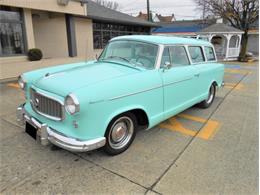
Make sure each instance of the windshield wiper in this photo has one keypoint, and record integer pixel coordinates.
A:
(122, 58)
(125, 59)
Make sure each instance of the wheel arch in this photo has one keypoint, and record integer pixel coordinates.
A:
(215, 83)
(141, 116)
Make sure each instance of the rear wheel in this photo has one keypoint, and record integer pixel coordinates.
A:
(211, 96)
(120, 133)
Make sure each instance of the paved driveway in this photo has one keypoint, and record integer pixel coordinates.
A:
(211, 151)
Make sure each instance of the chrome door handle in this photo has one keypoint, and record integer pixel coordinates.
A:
(197, 75)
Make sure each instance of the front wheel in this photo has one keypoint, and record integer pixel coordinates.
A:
(120, 133)
(211, 96)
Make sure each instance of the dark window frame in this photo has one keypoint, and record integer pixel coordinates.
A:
(115, 28)
(24, 37)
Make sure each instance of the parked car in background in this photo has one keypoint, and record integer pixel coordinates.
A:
(136, 83)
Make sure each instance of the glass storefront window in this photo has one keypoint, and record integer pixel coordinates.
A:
(103, 32)
(11, 32)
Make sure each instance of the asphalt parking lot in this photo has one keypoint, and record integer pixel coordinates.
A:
(211, 151)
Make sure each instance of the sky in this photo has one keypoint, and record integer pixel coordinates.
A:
(182, 9)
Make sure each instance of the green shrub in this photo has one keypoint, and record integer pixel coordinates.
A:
(34, 54)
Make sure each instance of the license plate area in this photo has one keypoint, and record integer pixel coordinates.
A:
(31, 130)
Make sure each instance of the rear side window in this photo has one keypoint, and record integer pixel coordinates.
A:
(209, 52)
(179, 56)
(196, 54)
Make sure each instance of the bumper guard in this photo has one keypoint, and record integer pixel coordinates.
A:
(47, 135)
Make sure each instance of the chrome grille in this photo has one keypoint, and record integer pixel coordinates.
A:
(46, 106)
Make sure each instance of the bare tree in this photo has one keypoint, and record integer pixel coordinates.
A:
(239, 13)
(109, 4)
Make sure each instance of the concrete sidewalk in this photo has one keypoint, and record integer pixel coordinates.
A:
(9, 71)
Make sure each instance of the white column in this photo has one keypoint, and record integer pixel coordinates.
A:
(210, 36)
(239, 43)
(29, 28)
(228, 36)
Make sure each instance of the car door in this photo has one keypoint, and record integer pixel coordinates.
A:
(178, 80)
(201, 69)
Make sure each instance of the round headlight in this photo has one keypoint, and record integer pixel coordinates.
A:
(21, 82)
(71, 104)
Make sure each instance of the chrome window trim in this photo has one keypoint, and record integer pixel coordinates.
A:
(50, 97)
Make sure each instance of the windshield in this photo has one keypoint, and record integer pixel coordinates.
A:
(132, 52)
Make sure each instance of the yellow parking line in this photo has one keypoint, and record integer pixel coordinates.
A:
(14, 85)
(236, 71)
(234, 85)
(193, 118)
(206, 132)
(174, 125)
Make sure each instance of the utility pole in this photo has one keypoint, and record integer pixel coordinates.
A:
(204, 10)
(148, 10)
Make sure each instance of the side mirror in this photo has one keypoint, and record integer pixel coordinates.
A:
(167, 65)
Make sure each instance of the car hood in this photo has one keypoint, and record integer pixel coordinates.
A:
(64, 82)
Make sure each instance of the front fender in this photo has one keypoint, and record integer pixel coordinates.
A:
(123, 110)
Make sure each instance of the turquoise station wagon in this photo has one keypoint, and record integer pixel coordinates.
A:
(136, 83)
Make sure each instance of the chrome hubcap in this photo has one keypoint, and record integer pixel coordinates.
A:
(121, 132)
(211, 94)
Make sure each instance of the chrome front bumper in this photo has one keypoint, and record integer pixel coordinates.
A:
(48, 135)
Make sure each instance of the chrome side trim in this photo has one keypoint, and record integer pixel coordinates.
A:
(95, 102)
(174, 82)
(134, 93)
(149, 89)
